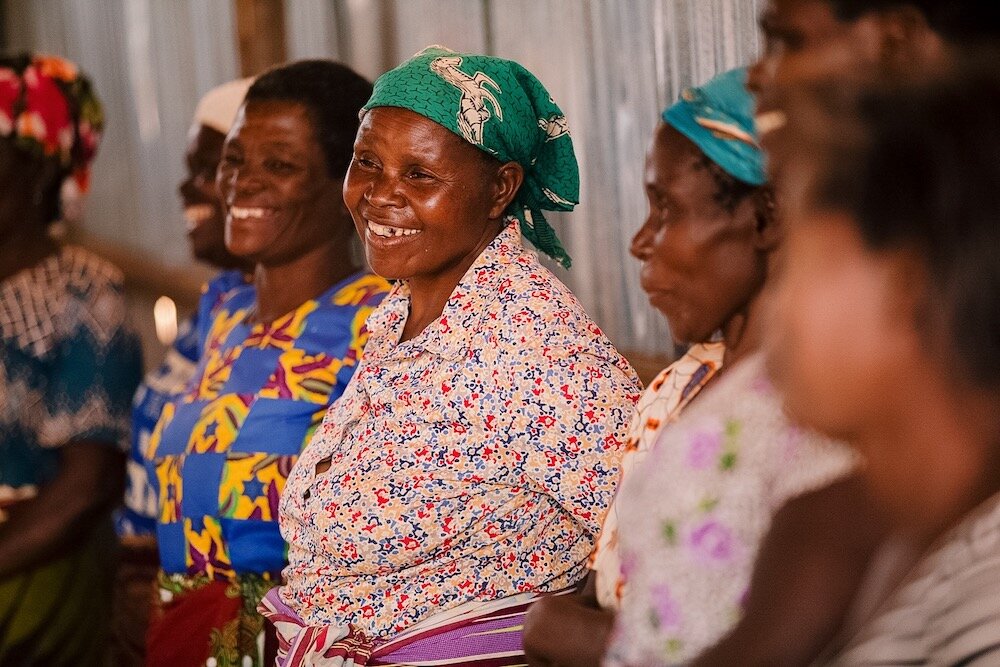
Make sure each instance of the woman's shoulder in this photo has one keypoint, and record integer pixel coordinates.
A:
(84, 271)
(94, 291)
(743, 415)
(531, 297)
(947, 611)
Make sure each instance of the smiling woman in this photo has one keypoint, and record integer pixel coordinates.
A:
(274, 355)
(465, 471)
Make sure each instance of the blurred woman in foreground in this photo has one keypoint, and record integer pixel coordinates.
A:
(889, 338)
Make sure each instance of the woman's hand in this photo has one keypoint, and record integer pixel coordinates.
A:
(566, 630)
(90, 482)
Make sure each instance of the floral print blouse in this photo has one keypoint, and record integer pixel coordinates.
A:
(693, 518)
(472, 462)
(661, 404)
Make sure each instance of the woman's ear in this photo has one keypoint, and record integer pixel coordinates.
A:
(905, 37)
(509, 178)
(768, 228)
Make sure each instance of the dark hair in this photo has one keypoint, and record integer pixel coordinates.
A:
(964, 22)
(333, 94)
(917, 166)
(729, 190)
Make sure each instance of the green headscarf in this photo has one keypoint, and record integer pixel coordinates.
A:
(501, 108)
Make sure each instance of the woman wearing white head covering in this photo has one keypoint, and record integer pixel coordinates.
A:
(136, 521)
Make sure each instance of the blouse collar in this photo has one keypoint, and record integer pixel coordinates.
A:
(450, 336)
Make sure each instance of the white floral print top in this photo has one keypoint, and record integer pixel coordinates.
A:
(470, 463)
(694, 516)
(660, 405)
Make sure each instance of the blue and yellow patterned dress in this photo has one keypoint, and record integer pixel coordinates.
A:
(220, 454)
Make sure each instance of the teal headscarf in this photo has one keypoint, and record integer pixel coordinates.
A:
(501, 108)
(719, 118)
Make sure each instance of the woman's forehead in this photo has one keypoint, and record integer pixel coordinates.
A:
(406, 132)
(276, 120)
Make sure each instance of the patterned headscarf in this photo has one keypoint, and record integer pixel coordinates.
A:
(501, 108)
(49, 109)
(719, 118)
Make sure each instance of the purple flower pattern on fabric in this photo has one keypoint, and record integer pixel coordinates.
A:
(693, 516)
(668, 612)
(704, 449)
(712, 542)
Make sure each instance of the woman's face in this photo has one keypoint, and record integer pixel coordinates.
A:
(280, 201)
(804, 39)
(843, 336)
(203, 213)
(700, 263)
(424, 201)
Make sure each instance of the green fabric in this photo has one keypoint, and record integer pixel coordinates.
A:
(501, 108)
(57, 614)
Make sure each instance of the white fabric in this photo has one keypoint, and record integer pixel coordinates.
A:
(217, 108)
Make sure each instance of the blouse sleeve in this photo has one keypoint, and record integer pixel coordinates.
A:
(574, 414)
(96, 373)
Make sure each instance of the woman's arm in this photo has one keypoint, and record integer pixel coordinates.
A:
(90, 481)
(806, 576)
(567, 629)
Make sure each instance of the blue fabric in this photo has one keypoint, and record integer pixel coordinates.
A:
(68, 365)
(719, 118)
(221, 451)
(138, 514)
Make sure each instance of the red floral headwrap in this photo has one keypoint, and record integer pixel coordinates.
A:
(48, 107)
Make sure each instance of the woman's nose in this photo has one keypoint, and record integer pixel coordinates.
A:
(642, 242)
(382, 191)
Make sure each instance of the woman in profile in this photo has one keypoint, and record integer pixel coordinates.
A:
(889, 338)
(68, 367)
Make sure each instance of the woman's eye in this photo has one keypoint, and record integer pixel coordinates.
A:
(231, 160)
(280, 166)
(419, 175)
(365, 163)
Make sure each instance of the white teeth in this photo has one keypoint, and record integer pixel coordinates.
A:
(387, 232)
(242, 213)
(195, 215)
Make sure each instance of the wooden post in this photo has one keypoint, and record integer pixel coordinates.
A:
(260, 34)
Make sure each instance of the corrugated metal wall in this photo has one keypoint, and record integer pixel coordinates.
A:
(611, 64)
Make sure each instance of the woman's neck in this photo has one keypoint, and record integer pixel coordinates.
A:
(743, 332)
(952, 439)
(24, 248)
(281, 289)
(429, 295)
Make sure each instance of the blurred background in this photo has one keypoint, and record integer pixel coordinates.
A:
(612, 65)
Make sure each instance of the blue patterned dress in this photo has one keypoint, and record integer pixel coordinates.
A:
(221, 452)
(68, 368)
(138, 515)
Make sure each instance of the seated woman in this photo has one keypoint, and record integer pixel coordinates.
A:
(466, 470)
(705, 302)
(889, 317)
(135, 521)
(692, 515)
(68, 367)
(275, 354)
